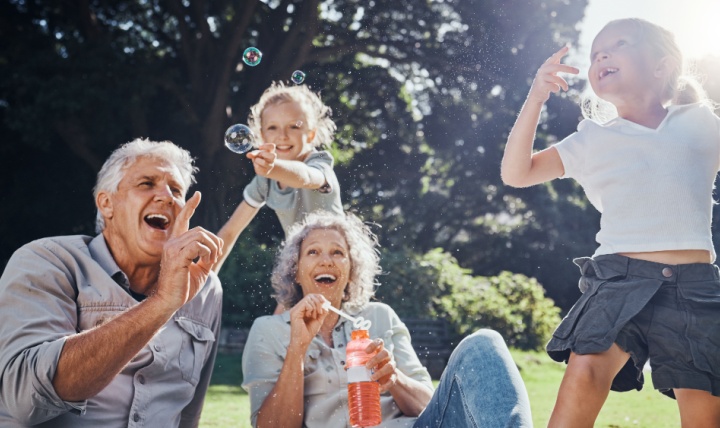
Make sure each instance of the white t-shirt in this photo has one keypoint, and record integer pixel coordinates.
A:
(653, 186)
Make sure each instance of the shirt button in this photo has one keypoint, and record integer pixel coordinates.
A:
(342, 362)
(141, 379)
(337, 328)
(157, 348)
(667, 272)
(340, 345)
(136, 417)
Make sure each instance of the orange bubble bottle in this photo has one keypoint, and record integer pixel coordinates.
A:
(363, 394)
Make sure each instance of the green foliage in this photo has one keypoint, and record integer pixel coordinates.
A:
(245, 276)
(435, 285)
(411, 283)
(512, 304)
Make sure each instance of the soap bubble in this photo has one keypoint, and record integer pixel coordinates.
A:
(239, 139)
(252, 56)
(297, 77)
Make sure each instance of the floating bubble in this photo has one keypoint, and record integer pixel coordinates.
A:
(297, 77)
(252, 56)
(239, 138)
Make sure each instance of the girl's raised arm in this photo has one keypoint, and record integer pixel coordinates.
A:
(520, 166)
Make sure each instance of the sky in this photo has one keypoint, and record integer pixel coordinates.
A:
(696, 23)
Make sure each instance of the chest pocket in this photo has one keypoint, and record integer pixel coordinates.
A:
(316, 380)
(91, 315)
(196, 343)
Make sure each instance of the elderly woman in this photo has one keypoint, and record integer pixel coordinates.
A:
(293, 364)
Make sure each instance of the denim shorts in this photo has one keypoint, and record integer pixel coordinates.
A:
(669, 314)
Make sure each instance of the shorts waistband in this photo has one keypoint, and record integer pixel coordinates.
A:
(614, 265)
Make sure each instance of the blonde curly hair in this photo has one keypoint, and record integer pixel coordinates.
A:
(317, 113)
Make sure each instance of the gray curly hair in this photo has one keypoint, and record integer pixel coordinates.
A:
(113, 170)
(318, 114)
(364, 259)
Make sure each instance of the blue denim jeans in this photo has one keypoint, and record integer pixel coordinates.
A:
(480, 387)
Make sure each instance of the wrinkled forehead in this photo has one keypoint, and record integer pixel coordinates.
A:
(324, 236)
(154, 167)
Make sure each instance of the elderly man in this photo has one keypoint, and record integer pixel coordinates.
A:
(120, 329)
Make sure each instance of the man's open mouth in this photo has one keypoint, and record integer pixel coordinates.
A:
(157, 221)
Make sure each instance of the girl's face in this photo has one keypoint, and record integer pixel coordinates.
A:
(324, 265)
(285, 124)
(622, 68)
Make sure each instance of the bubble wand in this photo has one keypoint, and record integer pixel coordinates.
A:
(358, 323)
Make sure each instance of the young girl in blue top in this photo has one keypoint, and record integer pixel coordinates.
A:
(650, 291)
(293, 177)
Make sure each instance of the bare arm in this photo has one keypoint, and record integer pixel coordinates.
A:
(520, 166)
(284, 407)
(90, 360)
(229, 233)
(410, 395)
(289, 173)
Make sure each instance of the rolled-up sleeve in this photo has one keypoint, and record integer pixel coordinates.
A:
(37, 313)
(255, 193)
(406, 359)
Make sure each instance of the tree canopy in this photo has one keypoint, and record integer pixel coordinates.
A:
(424, 94)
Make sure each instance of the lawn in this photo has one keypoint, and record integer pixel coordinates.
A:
(227, 405)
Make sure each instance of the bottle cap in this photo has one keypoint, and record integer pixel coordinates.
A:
(360, 334)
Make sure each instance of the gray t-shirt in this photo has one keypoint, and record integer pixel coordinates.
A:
(55, 287)
(291, 204)
(325, 387)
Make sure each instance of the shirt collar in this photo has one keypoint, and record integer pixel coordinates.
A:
(100, 252)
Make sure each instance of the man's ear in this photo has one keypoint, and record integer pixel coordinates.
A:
(103, 201)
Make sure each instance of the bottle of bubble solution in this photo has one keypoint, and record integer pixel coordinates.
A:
(363, 394)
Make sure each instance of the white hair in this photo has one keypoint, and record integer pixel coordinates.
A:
(113, 170)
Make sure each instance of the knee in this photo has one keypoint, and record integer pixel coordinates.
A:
(586, 372)
(484, 342)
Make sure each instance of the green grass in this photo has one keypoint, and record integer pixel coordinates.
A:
(643, 409)
(228, 405)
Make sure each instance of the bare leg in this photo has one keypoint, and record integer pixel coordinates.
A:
(698, 408)
(585, 387)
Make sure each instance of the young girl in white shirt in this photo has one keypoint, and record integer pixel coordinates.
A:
(650, 291)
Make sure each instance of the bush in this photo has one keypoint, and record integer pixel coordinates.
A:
(512, 304)
(411, 283)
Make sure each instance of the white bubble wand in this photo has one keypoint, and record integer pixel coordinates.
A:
(359, 323)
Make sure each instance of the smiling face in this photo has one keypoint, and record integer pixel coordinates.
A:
(139, 216)
(621, 64)
(324, 265)
(285, 124)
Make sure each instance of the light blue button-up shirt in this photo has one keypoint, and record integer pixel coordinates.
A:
(325, 388)
(55, 287)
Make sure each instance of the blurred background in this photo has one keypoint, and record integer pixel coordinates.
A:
(424, 94)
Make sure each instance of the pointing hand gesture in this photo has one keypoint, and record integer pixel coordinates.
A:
(547, 79)
(188, 257)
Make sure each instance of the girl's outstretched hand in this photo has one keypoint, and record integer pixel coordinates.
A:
(263, 159)
(547, 79)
